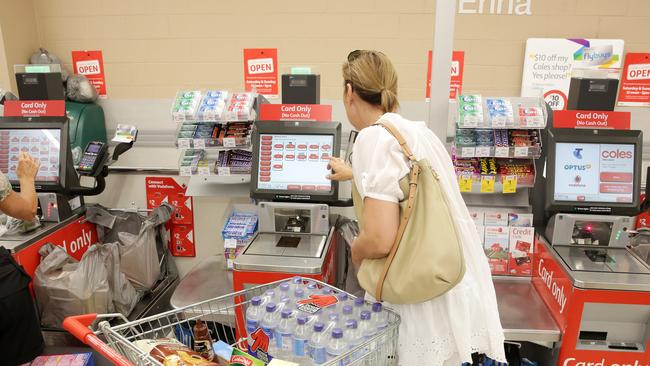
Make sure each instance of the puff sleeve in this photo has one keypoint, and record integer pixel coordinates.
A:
(378, 164)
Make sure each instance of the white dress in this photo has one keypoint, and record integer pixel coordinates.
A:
(465, 320)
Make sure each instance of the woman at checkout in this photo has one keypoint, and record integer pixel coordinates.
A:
(20, 333)
(449, 329)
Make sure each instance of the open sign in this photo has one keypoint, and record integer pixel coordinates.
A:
(89, 67)
(260, 66)
(638, 72)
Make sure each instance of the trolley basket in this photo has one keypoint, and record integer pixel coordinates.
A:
(113, 336)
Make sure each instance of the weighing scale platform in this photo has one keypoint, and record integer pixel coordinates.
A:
(609, 260)
(621, 270)
(285, 252)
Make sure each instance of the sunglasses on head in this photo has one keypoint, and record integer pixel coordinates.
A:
(356, 53)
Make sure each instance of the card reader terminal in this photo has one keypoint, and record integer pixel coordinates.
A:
(92, 158)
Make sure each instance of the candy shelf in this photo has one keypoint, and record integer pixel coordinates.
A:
(519, 152)
(210, 144)
(213, 106)
(475, 111)
(215, 177)
(214, 135)
(473, 179)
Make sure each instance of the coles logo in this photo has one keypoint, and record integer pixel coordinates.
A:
(638, 72)
(616, 154)
(260, 66)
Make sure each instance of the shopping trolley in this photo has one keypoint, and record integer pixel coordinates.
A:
(225, 318)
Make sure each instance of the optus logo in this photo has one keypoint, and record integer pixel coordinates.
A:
(577, 167)
(616, 154)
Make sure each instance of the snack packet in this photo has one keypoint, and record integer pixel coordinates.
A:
(171, 352)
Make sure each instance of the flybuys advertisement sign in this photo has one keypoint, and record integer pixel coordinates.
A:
(550, 62)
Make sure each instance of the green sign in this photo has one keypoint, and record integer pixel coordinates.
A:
(37, 68)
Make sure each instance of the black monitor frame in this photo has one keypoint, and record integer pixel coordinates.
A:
(293, 128)
(68, 177)
(593, 136)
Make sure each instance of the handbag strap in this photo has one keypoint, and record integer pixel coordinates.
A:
(413, 185)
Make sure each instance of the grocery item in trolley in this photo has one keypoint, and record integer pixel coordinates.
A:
(169, 351)
(307, 324)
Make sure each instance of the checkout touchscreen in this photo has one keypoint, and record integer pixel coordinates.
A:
(294, 162)
(594, 172)
(43, 145)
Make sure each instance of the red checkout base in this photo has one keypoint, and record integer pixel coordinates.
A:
(75, 235)
(567, 304)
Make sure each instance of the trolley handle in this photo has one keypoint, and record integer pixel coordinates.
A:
(79, 327)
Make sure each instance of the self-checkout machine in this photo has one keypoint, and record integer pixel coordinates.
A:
(289, 182)
(596, 288)
(61, 208)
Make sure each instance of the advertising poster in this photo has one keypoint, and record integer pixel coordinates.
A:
(261, 70)
(549, 62)
(91, 65)
(635, 82)
(456, 82)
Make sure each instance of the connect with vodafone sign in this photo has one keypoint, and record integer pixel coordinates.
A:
(261, 70)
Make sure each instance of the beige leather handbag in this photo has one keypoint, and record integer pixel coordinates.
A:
(426, 259)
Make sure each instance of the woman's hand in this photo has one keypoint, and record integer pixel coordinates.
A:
(27, 167)
(340, 170)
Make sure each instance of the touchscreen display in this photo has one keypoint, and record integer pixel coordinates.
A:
(294, 162)
(594, 172)
(43, 145)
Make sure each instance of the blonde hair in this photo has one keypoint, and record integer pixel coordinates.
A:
(373, 78)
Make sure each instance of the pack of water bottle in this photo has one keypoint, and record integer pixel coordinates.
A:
(310, 324)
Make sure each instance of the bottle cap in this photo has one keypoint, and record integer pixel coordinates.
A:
(365, 315)
(270, 293)
(299, 293)
(351, 324)
(270, 307)
(337, 333)
(333, 316)
(312, 286)
(326, 291)
(302, 320)
(347, 309)
(359, 301)
(284, 286)
(342, 296)
(318, 327)
(286, 313)
(376, 307)
(296, 281)
(256, 301)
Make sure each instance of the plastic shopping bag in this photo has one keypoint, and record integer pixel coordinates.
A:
(125, 297)
(65, 287)
(10, 226)
(140, 257)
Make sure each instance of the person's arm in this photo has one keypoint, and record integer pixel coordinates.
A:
(377, 235)
(22, 205)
